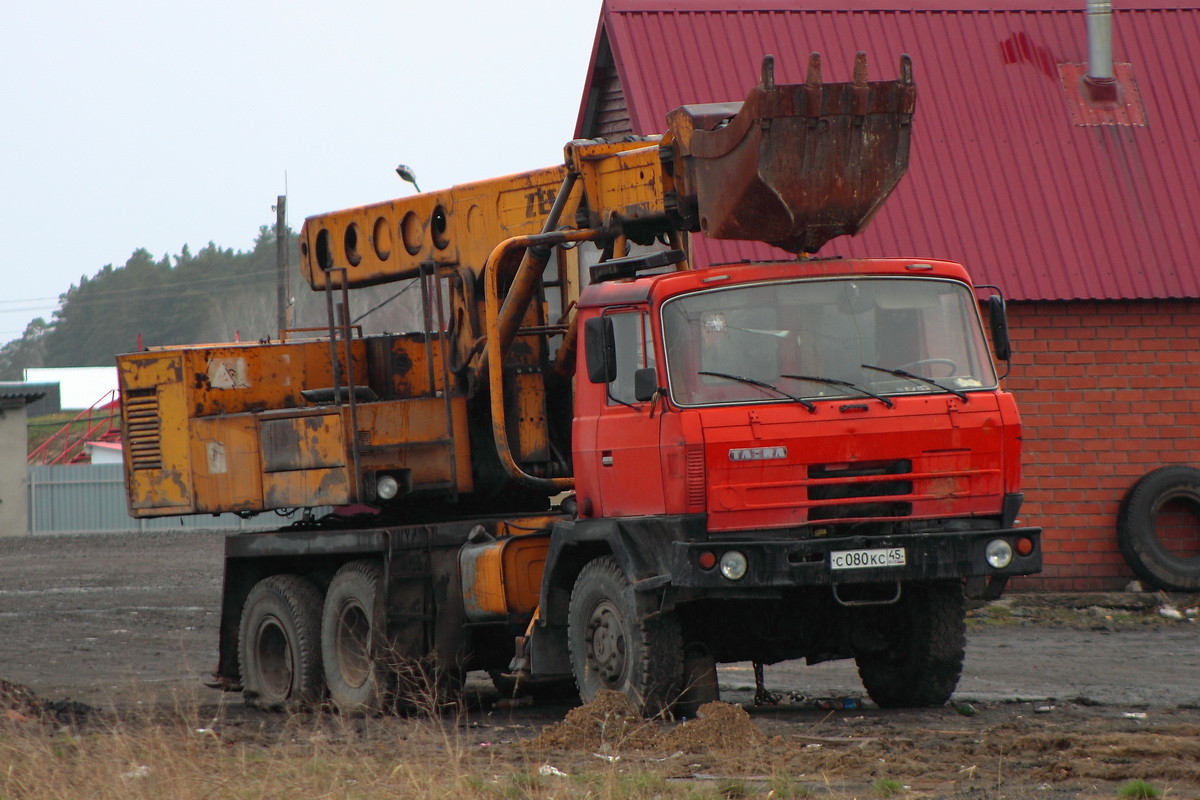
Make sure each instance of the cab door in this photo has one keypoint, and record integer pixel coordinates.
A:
(628, 463)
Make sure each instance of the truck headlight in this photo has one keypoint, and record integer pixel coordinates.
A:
(998, 553)
(733, 565)
(386, 487)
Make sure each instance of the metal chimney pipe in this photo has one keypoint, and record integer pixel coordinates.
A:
(1099, 86)
(1100, 38)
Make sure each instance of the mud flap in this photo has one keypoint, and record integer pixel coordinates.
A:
(983, 587)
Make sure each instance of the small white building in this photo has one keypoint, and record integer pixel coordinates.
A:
(14, 472)
(104, 452)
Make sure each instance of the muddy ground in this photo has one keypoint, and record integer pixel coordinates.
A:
(1062, 696)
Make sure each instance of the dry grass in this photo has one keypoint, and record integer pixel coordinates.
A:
(181, 754)
(196, 749)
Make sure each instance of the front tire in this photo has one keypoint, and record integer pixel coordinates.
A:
(917, 656)
(278, 644)
(611, 648)
(353, 670)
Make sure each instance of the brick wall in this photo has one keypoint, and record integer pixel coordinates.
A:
(1107, 392)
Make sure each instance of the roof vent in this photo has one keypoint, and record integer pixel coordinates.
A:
(1102, 91)
(1100, 86)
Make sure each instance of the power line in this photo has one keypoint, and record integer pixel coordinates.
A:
(25, 310)
(28, 300)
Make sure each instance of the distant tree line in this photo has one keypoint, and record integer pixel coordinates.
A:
(213, 295)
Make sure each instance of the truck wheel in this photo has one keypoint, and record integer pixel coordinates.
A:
(355, 674)
(1157, 528)
(278, 645)
(612, 649)
(918, 654)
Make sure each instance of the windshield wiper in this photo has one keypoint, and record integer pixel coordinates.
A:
(901, 373)
(836, 382)
(762, 385)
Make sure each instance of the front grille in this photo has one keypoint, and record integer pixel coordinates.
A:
(851, 482)
(857, 510)
(144, 426)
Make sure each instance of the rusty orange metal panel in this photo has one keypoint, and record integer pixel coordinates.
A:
(230, 379)
(154, 427)
(532, 436)
(457, 226)
(305, 487)
(524, 563)
(309, 441)
(226, 463)
(414, 435)
(623, 181)
(399, 366)
(483, 581)
(420, 419)
(502, 578)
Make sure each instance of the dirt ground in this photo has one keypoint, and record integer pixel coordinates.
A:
(1062, 696)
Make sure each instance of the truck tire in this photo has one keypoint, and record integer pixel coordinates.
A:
(279, 644)
(924, 638)
(1140, 528)
(355, 674)
(612, 649)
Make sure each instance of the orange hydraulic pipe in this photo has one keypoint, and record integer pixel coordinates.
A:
(495, 350)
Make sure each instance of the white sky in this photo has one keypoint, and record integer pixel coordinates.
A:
(131, 124)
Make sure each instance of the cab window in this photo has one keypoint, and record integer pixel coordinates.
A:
(634, 350)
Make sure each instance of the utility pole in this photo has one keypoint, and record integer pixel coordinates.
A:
(281, 262)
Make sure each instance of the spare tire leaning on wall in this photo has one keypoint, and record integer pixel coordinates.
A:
(1152, 542)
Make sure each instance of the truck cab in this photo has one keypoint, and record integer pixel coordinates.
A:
(802, 394)
(801, 458)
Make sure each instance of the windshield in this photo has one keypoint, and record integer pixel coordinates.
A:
(817, 339)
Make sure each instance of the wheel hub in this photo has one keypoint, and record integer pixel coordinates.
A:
(607, 643)
(275, 658)
(353, 637)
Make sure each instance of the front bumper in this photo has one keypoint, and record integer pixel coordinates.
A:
(803, 563)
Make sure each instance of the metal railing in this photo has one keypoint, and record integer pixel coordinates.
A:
(66, 445)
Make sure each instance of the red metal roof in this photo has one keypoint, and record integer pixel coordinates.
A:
(1003, 176)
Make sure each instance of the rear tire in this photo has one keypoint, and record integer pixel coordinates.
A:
(279, 644)
(355, 673)
(612, 649)
(1141, 525)
(923, 638)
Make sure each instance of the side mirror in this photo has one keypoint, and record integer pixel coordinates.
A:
(645, 384)
(998, 318)
(600, 350)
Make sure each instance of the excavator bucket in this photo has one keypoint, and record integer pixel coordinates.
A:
(794, 165)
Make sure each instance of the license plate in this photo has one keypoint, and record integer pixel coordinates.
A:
(867, 559)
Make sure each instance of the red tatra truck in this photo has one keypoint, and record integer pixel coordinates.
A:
(596, 460)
